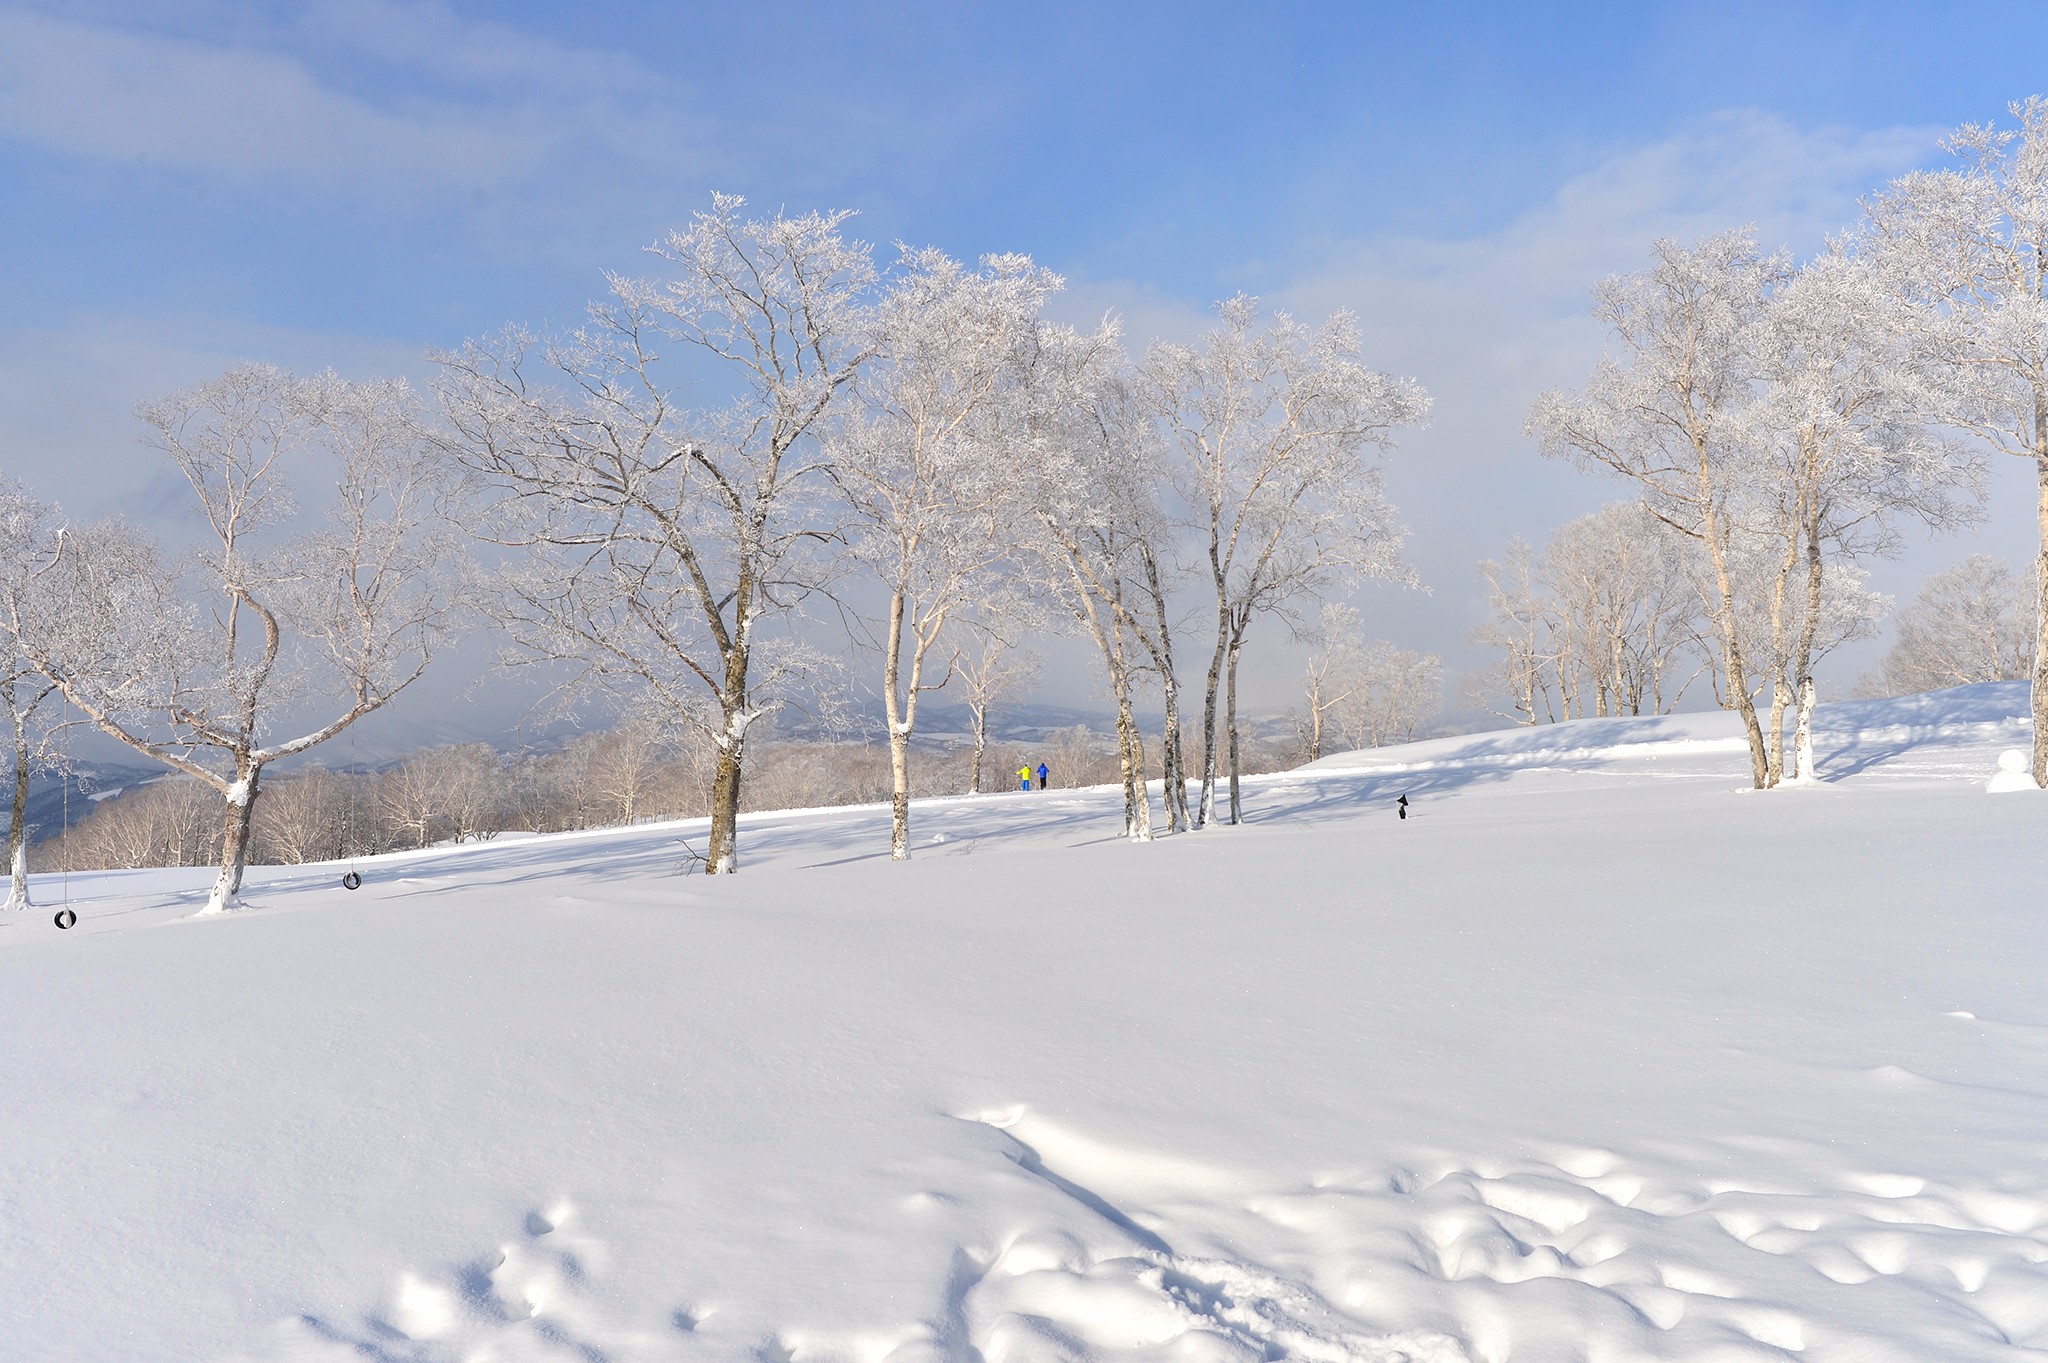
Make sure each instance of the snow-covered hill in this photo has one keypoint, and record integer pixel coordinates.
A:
(1598, 1056)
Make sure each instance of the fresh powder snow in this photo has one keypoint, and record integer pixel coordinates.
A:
(1596, 1056)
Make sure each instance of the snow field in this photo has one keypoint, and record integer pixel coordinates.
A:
(1595, 1058)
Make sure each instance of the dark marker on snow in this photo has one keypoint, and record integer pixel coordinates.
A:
(1403, 803)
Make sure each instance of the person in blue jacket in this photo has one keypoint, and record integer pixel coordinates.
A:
(1042, 774)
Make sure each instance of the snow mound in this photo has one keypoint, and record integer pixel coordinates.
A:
(2015, 772)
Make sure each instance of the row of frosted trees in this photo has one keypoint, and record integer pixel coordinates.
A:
(633, 772)
(1780, 424)
(908, 445)
(1609, 618)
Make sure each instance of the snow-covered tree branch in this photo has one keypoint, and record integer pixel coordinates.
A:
(919, 458)
(660, 541)
(219, 663)
(1269, 428)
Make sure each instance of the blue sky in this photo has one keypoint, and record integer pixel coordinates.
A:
(187, 183)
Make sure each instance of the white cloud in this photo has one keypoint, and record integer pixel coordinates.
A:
(428, 36)
(67, 399)
(122, 96)
(477, 108)
(1489, 322)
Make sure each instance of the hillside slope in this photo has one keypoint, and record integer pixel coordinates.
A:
(1598, 1056)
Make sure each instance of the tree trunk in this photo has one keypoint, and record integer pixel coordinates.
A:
(1206, 810)
(721, 854)
(17, 832)
(1786, 666)
(1802, 734)
(1236, 646)
(899, 794)
(1173, 762)
(1781, 700)
(980, 713)
(236, 823)
(1802, 658)
(1131, 746)
(1173, 768)
(2041, 599)
(896, 709)
(1738, 670)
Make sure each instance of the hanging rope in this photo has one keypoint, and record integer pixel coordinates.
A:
(65, 917)
(352, 880)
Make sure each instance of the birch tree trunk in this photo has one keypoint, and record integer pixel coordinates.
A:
(1172, 755)
(980, 713)
(1802, 658)
(1802, 735)
(1206, 811)
(721, 855)
(2041, 600)
(896, 708)
(1738, 666)
(17, 832)
(1230, 725)
(1781, 674)
(1173, 762)
(1131, 751)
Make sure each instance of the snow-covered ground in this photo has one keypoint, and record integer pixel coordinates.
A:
(1598, 1056)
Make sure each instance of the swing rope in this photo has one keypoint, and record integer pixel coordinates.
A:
(65, 916)
(351, 879)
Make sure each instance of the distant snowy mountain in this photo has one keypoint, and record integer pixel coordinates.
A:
(54, 795)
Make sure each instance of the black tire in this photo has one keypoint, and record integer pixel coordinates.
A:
(65, 918)
(351, 881)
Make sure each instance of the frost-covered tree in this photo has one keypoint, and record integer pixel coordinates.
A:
(1270, 428)
(1094, 495)
(1773, 623)
(1971, 623)
(623, 765)
(661, 541)
(1331, 673)
(1971, 243)
(1604, 620)
(306, 816)
(1519, 624)
(1667, 414)
(171, 821)
(1622, 611)
(268, 639)
(1368, 692)
(918, 456)
(1394, 691)
(992, 667)
(28, 531)
(1842, 453)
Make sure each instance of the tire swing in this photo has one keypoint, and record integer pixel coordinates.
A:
(351, 879)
